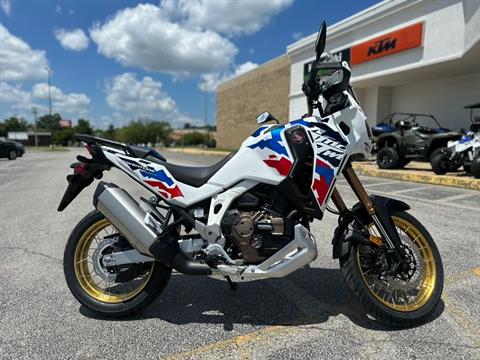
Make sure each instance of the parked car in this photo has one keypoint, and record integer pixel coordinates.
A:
(11, 149)
(414, 137)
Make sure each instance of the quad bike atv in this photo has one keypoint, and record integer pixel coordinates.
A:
(464, 152)
(417, 137)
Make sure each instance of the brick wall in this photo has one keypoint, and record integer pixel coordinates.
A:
(241, 100)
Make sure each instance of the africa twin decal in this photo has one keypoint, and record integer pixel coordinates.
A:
(280, 160)
(163, 182)
(283, 165)
(322, 180)
(275, 143)
(330, 154)
(155, 178)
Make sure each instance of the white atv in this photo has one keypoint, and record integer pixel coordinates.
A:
(464, 152)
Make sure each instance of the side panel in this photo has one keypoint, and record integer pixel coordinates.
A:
(263, 157)
(157, 179)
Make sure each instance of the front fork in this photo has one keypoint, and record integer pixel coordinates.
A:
(381, 219)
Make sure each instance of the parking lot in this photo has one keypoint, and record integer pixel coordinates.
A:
(307, 315)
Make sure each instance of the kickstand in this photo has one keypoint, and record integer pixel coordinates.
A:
(233, 286)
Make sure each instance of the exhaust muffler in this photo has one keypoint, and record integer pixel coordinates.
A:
(126, 215)
(143, 231)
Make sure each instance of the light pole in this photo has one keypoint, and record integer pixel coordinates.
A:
(49, 80)
(34, 111)
(206, 117)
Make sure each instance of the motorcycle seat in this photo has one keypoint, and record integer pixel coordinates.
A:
(195, 175)
(145, 152)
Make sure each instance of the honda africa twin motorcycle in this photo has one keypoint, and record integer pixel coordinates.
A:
(247, 217)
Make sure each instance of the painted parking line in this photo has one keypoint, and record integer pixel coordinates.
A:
(241, 345)
(407, 197)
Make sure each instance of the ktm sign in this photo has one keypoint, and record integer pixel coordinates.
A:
(407, 38)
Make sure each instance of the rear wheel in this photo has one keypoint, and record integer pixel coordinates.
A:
(403, 299)
(475, 167)
(12, 155)
(109, 291)
(403, 162)
(388, 158)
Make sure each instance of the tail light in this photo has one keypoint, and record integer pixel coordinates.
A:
(80, 169)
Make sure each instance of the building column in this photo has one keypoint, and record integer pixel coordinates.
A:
(376, 103)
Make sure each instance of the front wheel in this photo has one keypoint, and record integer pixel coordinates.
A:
(400, 300)
(109, 291)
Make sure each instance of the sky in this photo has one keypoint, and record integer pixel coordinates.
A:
(112, 61)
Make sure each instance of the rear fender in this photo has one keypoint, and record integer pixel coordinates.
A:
(358, 217)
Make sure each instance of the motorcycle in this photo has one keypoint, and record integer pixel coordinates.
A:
(248, 216)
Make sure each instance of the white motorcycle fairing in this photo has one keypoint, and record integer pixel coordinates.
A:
(263, 158)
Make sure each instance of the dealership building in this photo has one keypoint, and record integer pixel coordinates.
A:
(409, 56)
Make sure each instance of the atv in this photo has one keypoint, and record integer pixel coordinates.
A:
(464, 152)
(415, 137)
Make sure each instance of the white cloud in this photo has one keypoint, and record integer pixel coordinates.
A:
(14, 96)
(232, 17)
(210, 82)
(74, 40)
(18, 61)
(297, 35)
(143, 98)
(71, 104)
(6, 6)
(144, 36)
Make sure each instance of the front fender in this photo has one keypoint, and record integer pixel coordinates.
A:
(384, 208)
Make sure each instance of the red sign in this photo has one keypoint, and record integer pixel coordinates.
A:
(65, 123)
(409, 37)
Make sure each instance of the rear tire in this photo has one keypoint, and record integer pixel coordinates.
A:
(12, 155)
(390, 312)
(475, 167)
(403, 162)
(93, 297)
(388, 158)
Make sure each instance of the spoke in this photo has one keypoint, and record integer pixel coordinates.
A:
(80, 261)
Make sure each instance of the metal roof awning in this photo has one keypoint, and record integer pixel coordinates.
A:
(473, 106)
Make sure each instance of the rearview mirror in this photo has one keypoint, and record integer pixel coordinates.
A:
(321, 40)
(265, 117)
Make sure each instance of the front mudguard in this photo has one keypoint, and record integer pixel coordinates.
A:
(359, 218)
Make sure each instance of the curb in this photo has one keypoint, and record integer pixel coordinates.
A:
(368, 170)
(405, 175)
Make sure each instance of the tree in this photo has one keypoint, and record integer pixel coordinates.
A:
(13, 124)
(194, 138)
(110, 132)
(83, 127)
(63, 137)
(49, 122)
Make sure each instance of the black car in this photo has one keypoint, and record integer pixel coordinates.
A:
(11, 149)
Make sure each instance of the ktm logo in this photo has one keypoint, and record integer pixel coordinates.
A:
(381, 46)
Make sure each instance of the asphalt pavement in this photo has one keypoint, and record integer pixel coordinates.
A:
(308, 315)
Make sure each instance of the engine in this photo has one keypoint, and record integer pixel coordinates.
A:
(254, 235)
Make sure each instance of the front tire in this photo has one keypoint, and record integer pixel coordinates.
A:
(440, 163)
(92, 285)
(381, 296)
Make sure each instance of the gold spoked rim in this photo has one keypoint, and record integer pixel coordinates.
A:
(398, 294)
(94, 279)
